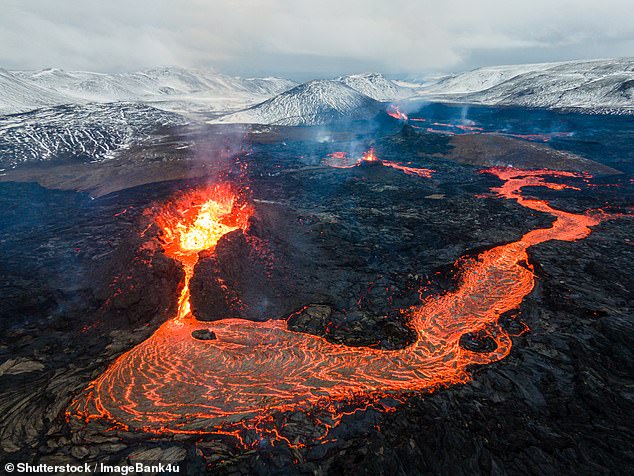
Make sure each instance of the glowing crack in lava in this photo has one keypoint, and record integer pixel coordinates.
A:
(341, 160)
(174, 383)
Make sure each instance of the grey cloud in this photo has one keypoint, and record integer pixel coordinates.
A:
(308, 38)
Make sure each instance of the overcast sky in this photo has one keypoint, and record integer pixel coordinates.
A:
(302, 39)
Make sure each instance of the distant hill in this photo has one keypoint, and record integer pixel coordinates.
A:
(598, 85)
(376, 86)
(312, 103)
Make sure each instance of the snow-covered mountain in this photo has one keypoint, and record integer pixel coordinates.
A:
(481, 78)
(312, 103)
(18, 95)
(596, 85)
(163, 87)
(151, 83)
(84, 132)
(376, 86)
(58, 115)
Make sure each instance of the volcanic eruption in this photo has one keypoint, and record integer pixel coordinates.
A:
(251, 371)
(394, 111)
(341, 160)
(195, 221)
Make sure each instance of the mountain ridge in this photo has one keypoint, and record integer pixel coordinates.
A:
(592, 85)
(157, 85)
(595, 85)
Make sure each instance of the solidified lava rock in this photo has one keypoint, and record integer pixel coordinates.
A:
(268, 273)
(204, 334)
(138, 281)
(312, 319)
(211, 294)
(79, 287)
(362, 329)
(22, 296)
(512, 323)
(494, 150)
(478, 342)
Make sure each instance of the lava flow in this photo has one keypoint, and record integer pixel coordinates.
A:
(252, 371)
(341, 160)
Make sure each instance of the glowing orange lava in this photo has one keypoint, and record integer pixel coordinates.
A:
(341, 160)
(195, 221)
(174, 383)
(394, 111)
(369, 156)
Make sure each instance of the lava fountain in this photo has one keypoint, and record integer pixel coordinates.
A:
(394, 111)
(195, 221)
(173, 383)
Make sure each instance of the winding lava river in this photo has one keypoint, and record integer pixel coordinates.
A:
(174, 383)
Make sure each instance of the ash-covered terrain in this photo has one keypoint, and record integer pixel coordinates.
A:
(337, 246)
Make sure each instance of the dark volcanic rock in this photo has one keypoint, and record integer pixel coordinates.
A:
(145, 283)
(362, 329)
(80, 289)
(478, 342)
(267, 273)
(311, 319)
(203, 334)
(498, 151)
